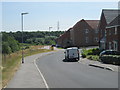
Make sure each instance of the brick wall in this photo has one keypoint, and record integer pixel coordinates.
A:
(111, 37)
(83, 34)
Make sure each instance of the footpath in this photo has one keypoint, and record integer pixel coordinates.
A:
(99, 65)
(28, 76)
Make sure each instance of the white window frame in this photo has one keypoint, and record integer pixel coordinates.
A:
(115, 45)
(105, 32)
(109, 32)
(96, 39)
(110, 45)
(115, 30)
(86, 31)
(96, 30)
(86, 39)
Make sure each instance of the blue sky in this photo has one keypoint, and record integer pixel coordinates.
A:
(42, 15)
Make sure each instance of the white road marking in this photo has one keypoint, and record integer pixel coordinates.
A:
(41, 75)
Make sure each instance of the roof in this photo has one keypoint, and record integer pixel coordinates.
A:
(110, 14)
(93, 23)
(65, 34)
(115, 22)
(72, 48)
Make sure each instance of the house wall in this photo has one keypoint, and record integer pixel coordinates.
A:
(72, 37)
(64, 39)
(111, 37)
(118, 38)
(102, 26)
(80, 36)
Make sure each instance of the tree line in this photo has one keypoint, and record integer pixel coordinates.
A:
(39, 37)
(11, 41)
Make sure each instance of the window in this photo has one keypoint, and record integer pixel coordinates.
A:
(86, 39)
(109, 32)
(96, 31)
(115, 30)
(96, 39)
(86, 31)
(115, 45)
(105, 32)
(101, 32)
(110, 47)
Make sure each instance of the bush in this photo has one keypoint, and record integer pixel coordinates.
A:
(92, 54)
(84, 53)
(111, 59)
(94, 51)
(27, 47)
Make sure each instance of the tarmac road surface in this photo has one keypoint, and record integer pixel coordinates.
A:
(61, 74)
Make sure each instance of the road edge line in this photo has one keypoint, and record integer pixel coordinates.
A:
(41, 75)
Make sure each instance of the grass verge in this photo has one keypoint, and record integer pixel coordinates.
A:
(11, 63)
(93, 57)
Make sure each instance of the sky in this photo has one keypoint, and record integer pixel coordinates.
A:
(43, 15)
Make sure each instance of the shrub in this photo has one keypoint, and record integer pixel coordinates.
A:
(84, 53)
(27, 47)
(94, 51)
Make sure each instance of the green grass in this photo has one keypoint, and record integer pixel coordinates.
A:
(93, 57)
(11, 63)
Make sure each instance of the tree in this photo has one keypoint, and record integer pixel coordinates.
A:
(9, 43)
(6, 48)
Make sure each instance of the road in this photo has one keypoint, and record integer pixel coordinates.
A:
(60, 74)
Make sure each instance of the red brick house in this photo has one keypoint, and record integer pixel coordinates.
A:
(64, 39)
(84, 33)
(107, 16)
(113, 35)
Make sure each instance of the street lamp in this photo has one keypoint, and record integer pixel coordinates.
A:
(49, 28)
(22, 34)
(49, 31)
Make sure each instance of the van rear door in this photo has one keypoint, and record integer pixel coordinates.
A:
(73, 53)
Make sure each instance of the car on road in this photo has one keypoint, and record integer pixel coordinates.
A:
(72, 53)
(58, 46)
(109, 52)
(53, 45)
(110, 56)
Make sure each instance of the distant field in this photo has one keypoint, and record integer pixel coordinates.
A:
(11, 63)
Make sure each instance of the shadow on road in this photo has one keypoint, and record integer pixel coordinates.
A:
(69, 60)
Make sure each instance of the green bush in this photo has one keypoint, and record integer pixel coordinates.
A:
(84, 53)
(92, 54)
(111, 59)
(27, 47)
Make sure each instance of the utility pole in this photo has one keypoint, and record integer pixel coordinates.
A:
(58, 26)
(50, 28)
(22, 14)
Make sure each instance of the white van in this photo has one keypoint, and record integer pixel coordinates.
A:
(72, 53)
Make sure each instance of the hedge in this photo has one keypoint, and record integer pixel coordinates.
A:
(111, 59)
